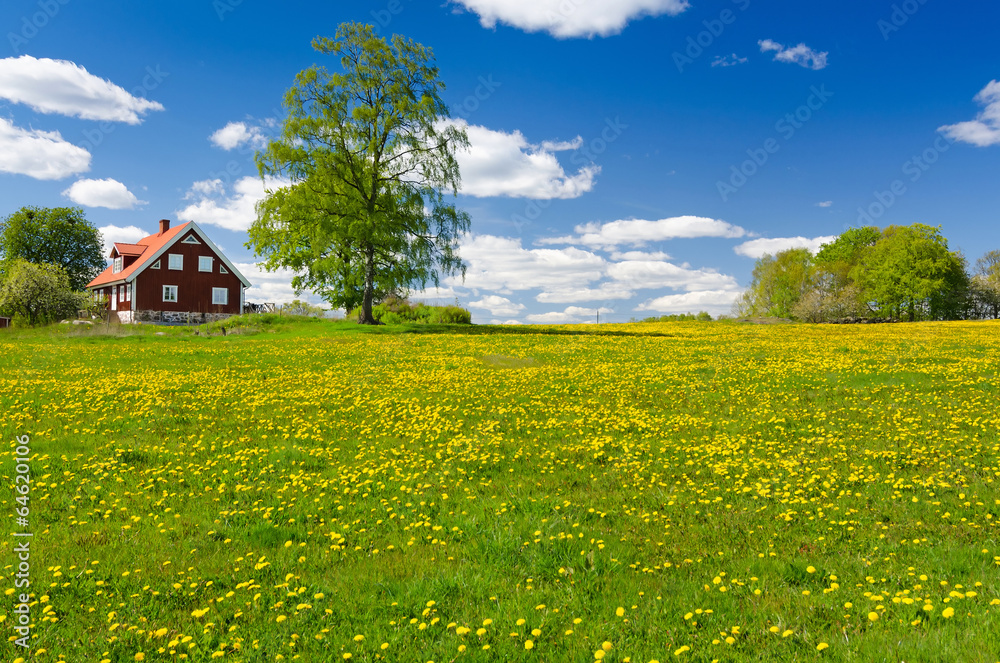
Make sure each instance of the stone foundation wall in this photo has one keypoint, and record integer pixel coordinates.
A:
(125, 317)
(177, 317)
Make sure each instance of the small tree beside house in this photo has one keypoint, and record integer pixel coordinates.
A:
(177, 275)
(37, 293)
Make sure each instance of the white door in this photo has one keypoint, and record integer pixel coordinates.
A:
(114, 298)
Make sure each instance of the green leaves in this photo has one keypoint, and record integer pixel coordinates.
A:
(39, 293)
(908, 270)
(900, 272)
(60, 236)
(370, 155)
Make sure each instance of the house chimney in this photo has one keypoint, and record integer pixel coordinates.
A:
(164, 226)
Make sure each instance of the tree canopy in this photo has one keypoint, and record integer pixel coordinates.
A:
(59, 236)
(779, 282)
(39, 293)
(910, 269)
(367, 153)
(900, 272)
(986, 285)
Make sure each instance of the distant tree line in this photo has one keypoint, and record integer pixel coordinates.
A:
(701, 316)
(866, 274)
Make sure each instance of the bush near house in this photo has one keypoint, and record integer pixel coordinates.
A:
(396, 310)
(37, 294)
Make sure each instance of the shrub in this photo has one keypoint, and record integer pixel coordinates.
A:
(38, 293)
(298, 307)
(395, 311)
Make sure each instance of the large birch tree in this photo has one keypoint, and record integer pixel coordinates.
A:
(368, 154)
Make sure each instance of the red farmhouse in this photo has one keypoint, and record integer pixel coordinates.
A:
(177, 275)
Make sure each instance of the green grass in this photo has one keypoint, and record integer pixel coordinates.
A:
(304, 482)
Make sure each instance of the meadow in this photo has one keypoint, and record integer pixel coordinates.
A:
(629, 493)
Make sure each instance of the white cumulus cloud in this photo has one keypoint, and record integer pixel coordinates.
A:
(126, 234)
(638, 232)
(238, 134)
(756, 248)
(603, 292)
(570, 315)
(502, 265)
(570, 18)
(66, 88)
(498, 306)
(432, 295)
(43, 155)
(498, 163)
(108, 193)
(216, 205)
(985, 129)
(716, 302)
(801, 55)
(654, 274)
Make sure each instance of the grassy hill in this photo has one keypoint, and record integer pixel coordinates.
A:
(669, 491)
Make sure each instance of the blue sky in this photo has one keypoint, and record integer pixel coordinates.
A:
(628, 156)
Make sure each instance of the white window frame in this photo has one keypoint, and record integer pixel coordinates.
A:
(166, 291)
(128, 292)
(175, 261)
(222, 269)
(119, 261)
(225, 292)
(155, 265)
(190, 239)
(201, 263)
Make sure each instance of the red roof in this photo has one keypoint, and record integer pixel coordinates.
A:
(148, 245)
(129, 249)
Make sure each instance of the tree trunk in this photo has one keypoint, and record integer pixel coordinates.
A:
(366, 317)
